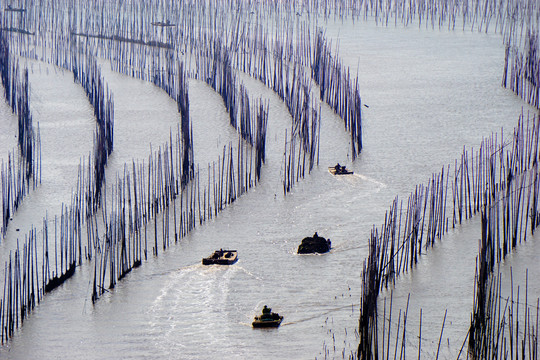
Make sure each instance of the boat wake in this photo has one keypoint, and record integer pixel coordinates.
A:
(249, 273)
(352, 178)
(319, 315)
(381, 185)
(343, 248)
(190, 295)
(169, 271)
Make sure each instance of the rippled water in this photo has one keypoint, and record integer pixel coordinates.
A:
(429, 93)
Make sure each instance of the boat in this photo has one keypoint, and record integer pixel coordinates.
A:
(339, 170)
(163, 23)
(267, 319)
(221, 257)
(13, 9)
(314, 244)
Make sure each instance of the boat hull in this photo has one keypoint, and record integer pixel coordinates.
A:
(314, 245)
(222, 257)
(333, 171)
(274, 323)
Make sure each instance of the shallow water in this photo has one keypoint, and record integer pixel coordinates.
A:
(429, 94)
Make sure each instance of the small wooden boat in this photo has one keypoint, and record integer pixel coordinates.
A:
(13, 9)
(163, 23)
(267, 319)
(221, 257)
(339, 170)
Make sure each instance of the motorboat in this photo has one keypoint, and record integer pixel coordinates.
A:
(221, 257)
(314, 244)
(267, 319)
(339, 170)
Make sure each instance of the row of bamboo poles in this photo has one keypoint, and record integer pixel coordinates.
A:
(284, 71)
(86, 72)
(139, 208)
(132, 57)
(338, 89)
(215, 68)
(52, 18)
(502, 177)
(23, 284)
(116, 253)
(521, 72)
(397, 345)
(479, 15)
(21, 287)
(298, 154)
(146, 23)
(183, 35)
(138, 216)
(216, 56)
(501, 327)
(281, 63)
(507, 208)
(22, 168)
(114, 240)
(167, 71)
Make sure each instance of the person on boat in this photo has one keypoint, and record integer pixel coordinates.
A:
(217, 254)
(338, 167)
(266, 313)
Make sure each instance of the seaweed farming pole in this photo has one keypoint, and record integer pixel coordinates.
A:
(26, 132)
(495, 323)
(217, 71)
(260, 139)
(293, 168)
(21, 291)
(506, 175)
(88, 74)
(215, 68)
(476, 15)
(292, 86)
(371, 281)
(337, 90)
(24, 165)
(246, 123)
(485, 265)
(523, 61)
(186, 129)
(506, 204)
(114, 249)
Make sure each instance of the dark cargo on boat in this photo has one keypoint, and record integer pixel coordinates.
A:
(314, 244)
(221, 257)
